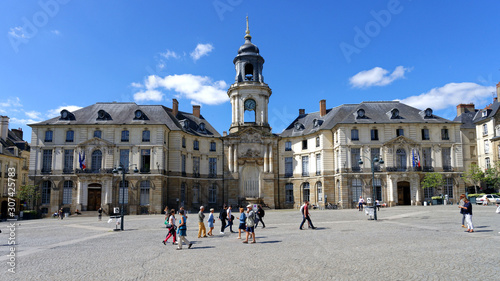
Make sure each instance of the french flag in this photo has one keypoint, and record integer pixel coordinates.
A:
(81, 159)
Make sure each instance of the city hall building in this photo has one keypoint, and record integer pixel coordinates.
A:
(178, 159)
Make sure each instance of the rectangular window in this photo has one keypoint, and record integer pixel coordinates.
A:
(68, 161)
(70, 136)
(67, 192)
(196, 193)
(428, 193)
(426, 158)
(125, 136)
(317, 141)
(196, 145)
(183, 164)
(288, 146)
(196, 166)
(446, 154)
(289, 193)
(212, 167)
(400, 132)
(444, 134)
(97, 134)
(46, 186)
(144, 196)
(288, 167)
(318, 164)
(124, 158)
(357, 188)
(320, 191)
(485, 129)
(374, 134)
(184, 142)
(305, 166)
(488, 163)
(213, 146)
(123, 194)
(146, 136)
(47, 161)
(48, 136)
(355, 156)
(304, 144)
(486, 147)
(212, 193)
(448, 187)
(425, 134)
(145, 160)
(354, 135)
(377, 183)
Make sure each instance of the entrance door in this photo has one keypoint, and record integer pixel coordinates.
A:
(94, 201)
(404, 197)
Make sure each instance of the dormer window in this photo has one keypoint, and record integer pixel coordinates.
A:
(317, 123)
(298, 126)
(484, 113)
(202, 127)
(66, 115)
(139, 115)
(103, 115)
(186, 124)
(395, 113)
(361, 113)
(428, 113)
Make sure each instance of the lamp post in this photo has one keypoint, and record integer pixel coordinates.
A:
(373, 161)
(121, 169)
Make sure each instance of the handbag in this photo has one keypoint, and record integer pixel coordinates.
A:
(167, 224)
(498, 210)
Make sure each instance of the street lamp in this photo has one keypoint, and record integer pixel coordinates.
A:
(121, 169)
(373, 161)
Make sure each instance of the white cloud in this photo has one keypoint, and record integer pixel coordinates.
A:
(56, 32)
(201, 50)
(57, 111)
(136, 85)
(199, 89)
(22, 122)
(452, 94)
(377, 76)
(170, 54)
(34, 115)
(18, 32)
(148, 95)
(16, 102)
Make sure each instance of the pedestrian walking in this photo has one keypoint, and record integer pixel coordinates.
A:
(462, 211)
(230, 218)
(242, 226)
(171, 228)
(182, 231)
(250, 223)
(211, 221)
(167, 212)
(468, 215)
(361, 201)
(201, 224)
(222, 218)
(306, 216)
(99, 214)
(260, 215)
(61, 215)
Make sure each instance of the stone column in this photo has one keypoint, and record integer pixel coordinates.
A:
(235, 156)
(270, 158)
(266, 159)
(230, 158)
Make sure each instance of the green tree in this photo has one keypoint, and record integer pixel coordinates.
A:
(492, 175)
(432, 180)
(474, 176)
(30, 194)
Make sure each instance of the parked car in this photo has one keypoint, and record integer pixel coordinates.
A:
(492, 198)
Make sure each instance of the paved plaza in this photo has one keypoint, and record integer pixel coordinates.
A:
(406, 243)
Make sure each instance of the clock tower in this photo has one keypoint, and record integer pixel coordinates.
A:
(249, 95)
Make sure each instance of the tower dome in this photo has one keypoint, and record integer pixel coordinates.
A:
(248, 62)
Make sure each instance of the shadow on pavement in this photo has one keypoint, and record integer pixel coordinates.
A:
(269, 242)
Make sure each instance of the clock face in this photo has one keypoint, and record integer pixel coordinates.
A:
(250, 104)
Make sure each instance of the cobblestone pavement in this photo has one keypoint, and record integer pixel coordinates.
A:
(405, 243)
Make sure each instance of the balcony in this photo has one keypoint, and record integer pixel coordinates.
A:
(427, 169)
(447, 168)
(356, 169)
(68, 171)
(46, 171)
(318, 173)
(145, 170)
(94, 171)
(305, 174)
(288, 175)
(396, 169)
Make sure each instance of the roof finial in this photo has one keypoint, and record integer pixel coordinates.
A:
(247, 36)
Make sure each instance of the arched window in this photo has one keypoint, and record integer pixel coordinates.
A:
(46, 186)
(67, 192)
(212, 193)
(123, 194)
(249, 72)
(306, 191)
(319, 187)
(401, 160)
(96, 161)
(145, 186)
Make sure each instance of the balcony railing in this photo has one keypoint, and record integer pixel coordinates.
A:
(46, 170)
(288, 175)
(427, 169)
(318, 173)
(145, 170)
(305, 174)
(94, 171)
(396, 169)
(447, 168)
(356, 169)
(68, 171)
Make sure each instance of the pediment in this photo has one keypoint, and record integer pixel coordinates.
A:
(250, 135)
(96, 142)
(400, 140)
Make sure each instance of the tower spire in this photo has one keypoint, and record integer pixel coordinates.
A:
(247, 36)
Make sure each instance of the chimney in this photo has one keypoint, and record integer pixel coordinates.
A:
(18, 133)
(463, 108)
(224, 133)
(4, 127)
(302, 111)
(175, 107)
(196, 110)
(322, 108)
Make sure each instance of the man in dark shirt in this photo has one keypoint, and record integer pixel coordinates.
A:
(306, 216)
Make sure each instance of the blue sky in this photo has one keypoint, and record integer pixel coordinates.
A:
(58, 54)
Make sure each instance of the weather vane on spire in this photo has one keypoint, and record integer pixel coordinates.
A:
(247, 36)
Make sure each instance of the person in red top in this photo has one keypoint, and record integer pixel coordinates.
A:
(305, 216)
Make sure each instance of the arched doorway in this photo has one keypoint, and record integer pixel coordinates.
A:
(404, 195)
(94, 197)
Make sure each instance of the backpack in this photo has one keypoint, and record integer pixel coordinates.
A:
(223, 214)
(262, 213)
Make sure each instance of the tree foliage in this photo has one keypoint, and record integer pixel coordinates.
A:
(474, 176)
(28, 193)
(492, 175)
(432, 180)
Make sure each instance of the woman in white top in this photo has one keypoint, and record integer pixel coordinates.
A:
(171, 230)
(360, 203)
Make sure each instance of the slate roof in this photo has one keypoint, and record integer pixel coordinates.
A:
(123, 113)
(491, 110)
(375, 112)
(467, 120)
